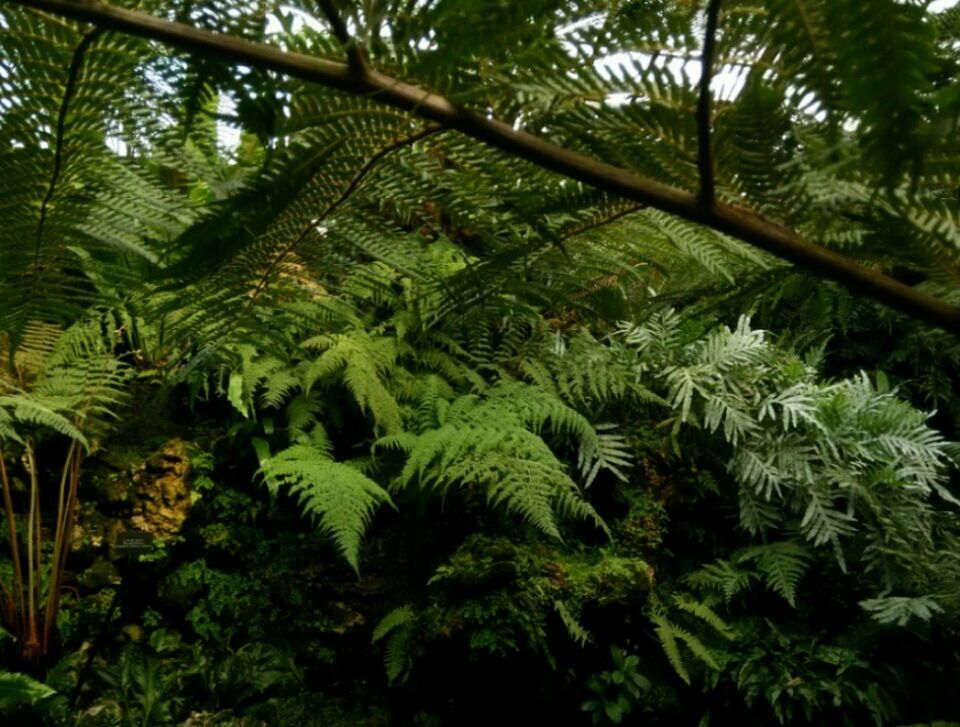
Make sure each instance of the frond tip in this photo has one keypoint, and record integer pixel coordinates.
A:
(338, 497)
(396, 628)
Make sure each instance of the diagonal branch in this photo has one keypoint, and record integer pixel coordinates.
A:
(73, 74)
(736, 221)
(603, 221)
(704, 155)
(332, 207)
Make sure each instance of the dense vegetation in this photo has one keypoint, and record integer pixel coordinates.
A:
(611, 381)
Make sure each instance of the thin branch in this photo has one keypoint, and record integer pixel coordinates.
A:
(355, 56)
(603, 221)
(738, 222)
(333, 206)
(73, 74)
(705, 155)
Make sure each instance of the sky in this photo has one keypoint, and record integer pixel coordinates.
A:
(726, 83)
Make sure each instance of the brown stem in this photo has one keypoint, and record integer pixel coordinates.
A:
(31, 641)
(704, 155)
(9, 607)
(744, 224)
(14, 546)
(58, 560)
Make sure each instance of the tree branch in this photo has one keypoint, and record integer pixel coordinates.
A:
(735, 221)
(355, 56)
(704, 155)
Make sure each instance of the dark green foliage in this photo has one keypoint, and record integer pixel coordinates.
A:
(471, 443)
(617, 691)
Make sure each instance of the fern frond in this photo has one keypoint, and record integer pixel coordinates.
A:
(363, 361)
(575, 630)
(901, 609)
(706, 614)
(782, 564)
(723, 576)
(396, 618)
(338, 497)
(667, 635)
(395, 627)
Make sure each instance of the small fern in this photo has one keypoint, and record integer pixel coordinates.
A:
(575, 629)
(363, 361)
(396, 628)
(722, 576)
(901, 609)
(703, 612)
(671, 635)
(782, 565)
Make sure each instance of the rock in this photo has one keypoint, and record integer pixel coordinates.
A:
(153, 496)
(92, 533)
(162, 496)
(342, 617)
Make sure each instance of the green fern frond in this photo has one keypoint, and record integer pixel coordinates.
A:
(890, 47)
(493, 441)
(363, 361)
(575, 630)
(396, 656)
(338, 497)
(395, 627)
(25, 409)
(613, 455)
(706, 614)
(901, 609)
(723, 576)
(396, 618)
(782, 564)
(667, 636)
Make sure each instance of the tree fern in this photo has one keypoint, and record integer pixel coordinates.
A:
(66, 381)
(890, 47)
